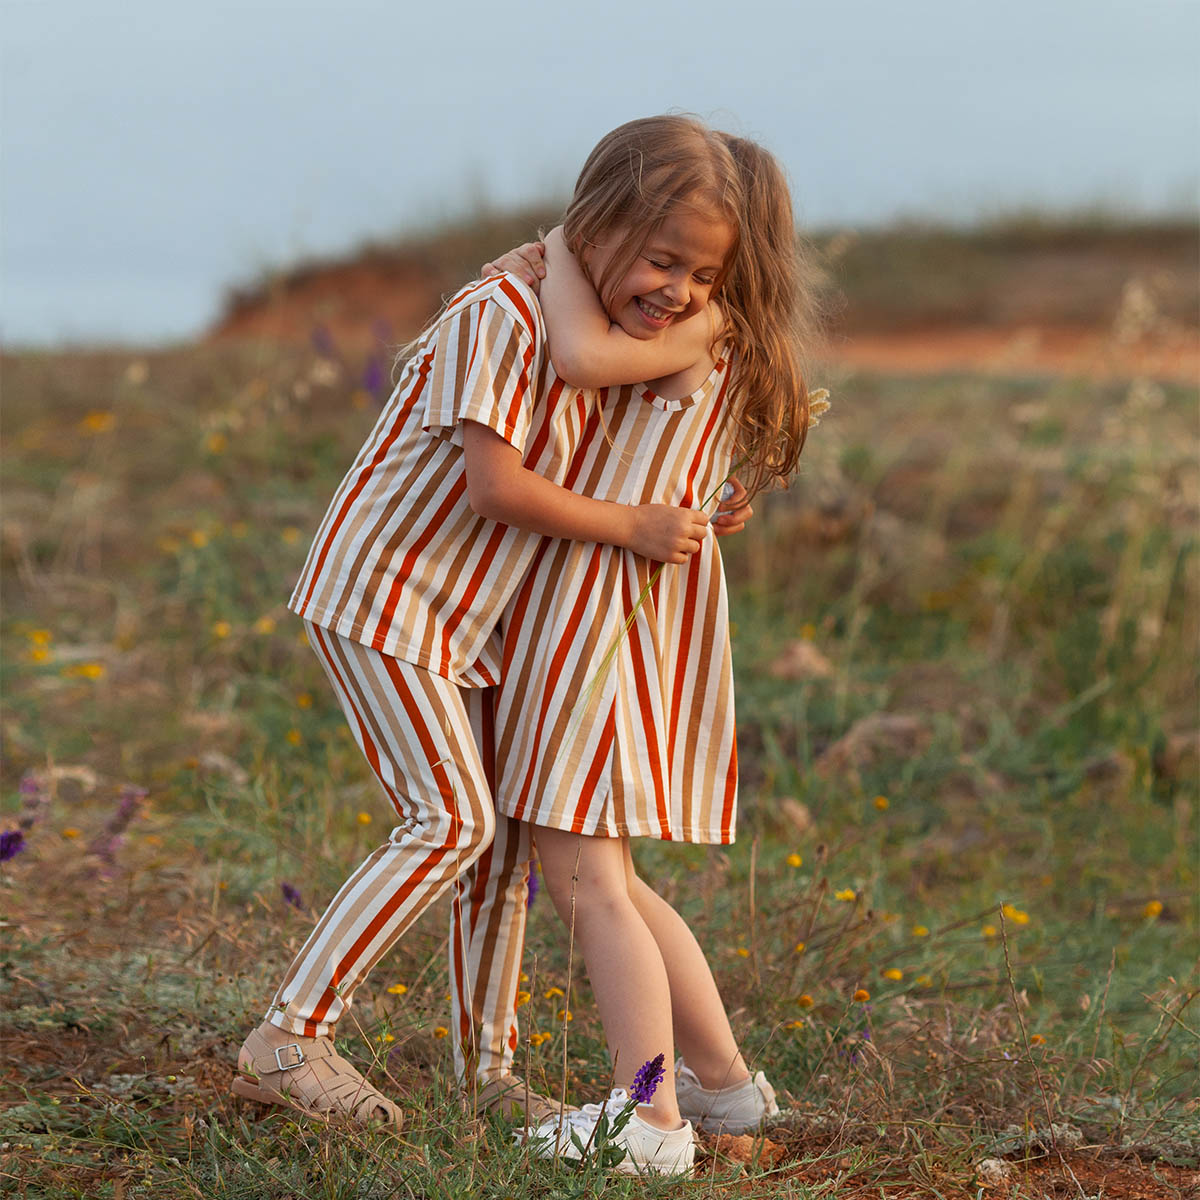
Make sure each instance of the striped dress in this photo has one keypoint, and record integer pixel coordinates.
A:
(636, 741)
(401, 562)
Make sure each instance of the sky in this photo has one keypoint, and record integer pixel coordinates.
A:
(152, 154)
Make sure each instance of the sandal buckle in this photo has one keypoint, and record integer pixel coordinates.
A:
(289, 1066)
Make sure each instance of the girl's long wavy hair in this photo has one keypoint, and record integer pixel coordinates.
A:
(634, 178)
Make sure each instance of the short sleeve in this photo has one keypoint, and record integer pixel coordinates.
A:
(485, 363)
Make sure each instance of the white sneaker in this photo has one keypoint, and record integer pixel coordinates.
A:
(734, 1109)
(647, 1150)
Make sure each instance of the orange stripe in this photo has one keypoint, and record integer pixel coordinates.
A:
(593, 774)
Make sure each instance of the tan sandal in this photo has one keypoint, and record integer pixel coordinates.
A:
(310, 1076)
(512, 1098)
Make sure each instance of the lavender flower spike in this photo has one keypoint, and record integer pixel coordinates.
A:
(645, 1082)
(532, 886)
(12, 842)
(290, 895)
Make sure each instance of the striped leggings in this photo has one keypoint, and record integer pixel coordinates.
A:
(429, 743)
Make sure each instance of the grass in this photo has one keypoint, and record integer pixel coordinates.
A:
(965, 644)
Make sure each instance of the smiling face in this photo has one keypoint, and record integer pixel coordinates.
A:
(673, 276)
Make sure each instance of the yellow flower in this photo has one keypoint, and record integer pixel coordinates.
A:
(523, 977)
(363, 818)
(87, 670)
(98, 421)
(441, 1031)
(536, 1039)
(290, 535)
(386, 1037)
(1014, 914)
(794, 860)
(923, 981)
(523, 997)
(804, 1000)
(793, 1024)
(1037, 1040)
(894, 974)
(398, 989)
(920, 930)
(989, 931)
(862, 996)
(294, 737)
(808, 631)
(1152, 909)
(264, 625)
(800, 947)
(39, 654)
(847, 894)
(41, 637)
(304, 700)
(550, 993)
(742, 952)
(221, 629)
(881, 803)
(198, 538)
(71, 832)
(216, 443)
(565, 1014)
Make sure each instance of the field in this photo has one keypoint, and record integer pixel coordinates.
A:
(959, 925)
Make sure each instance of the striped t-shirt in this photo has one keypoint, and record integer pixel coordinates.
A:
(401, 562)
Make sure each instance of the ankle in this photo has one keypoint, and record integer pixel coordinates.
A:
(661, 1117)
(715, 1077)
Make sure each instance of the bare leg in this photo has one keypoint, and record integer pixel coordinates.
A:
(623, 960)
(700, 1022)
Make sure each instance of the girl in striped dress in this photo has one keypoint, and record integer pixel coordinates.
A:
(614, 711)
(427, 539)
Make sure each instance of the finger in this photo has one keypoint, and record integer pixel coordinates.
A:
(724, 530)
(733, 515)
(488, 268)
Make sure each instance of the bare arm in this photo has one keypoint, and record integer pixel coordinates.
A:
(588, 350)
(500, 488)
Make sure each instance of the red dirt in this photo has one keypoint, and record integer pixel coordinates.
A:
(383, 302)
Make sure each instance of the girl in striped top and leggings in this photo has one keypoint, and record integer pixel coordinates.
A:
(428, 537)
(610, 726)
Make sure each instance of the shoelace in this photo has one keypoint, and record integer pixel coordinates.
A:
(590, 1114)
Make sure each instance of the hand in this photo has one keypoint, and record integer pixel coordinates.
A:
(665, 533)
(527, 263)
(732, 514)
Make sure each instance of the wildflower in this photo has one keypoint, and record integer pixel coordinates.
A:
(645, 1082)
(98, 421)
(1152, 909)
(198, 538)
(742, 952)
(39, 654)
(1014, 914)
(363, 818)
(398, 989)
(1037, 1040)
(87, 670)
(804, 1000)
(808, 631)
(847, 894)
(794, 860)
(894, 974)
(531, 888)
(290, 535)
(264, 625)
(882, 803)
(12, 842)
(221, 629)
(800, 947)
(304, 700)
(536, 1039)
(523, 997)
(374, 377)
(797, 1024)
(923, 981)
(818, 406)
(550, 993)
(41, 637)
(294, 737)
(71, 833)
(216, 443)
(920, 931)
(862, 996)
(523, 977)
(565, 1014)
(386, 1037)
(290, 895)
(989, 931)
(441, 1031)
(35, 799)
(111, 838)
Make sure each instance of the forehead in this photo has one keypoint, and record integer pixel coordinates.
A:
(701, 238)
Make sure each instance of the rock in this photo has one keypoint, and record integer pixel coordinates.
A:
(993, 1172)
(800, 660)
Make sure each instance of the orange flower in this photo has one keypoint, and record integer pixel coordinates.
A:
(862, 996)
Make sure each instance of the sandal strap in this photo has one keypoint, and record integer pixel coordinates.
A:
(281, 1059)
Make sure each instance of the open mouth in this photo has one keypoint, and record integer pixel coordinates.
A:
(652, 313)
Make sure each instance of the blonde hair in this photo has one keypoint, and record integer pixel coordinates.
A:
(632, 181)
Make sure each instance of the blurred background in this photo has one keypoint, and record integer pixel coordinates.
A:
(153, 156)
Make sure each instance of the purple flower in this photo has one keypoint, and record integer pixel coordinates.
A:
(35, 799)
(532, 887)
(291, 895)
(108, 842)
(373, 378)
(645, 1082)
(12, 842)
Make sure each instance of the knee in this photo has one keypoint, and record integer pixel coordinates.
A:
(473, 828)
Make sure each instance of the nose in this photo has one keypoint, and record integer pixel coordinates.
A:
(677, 290)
